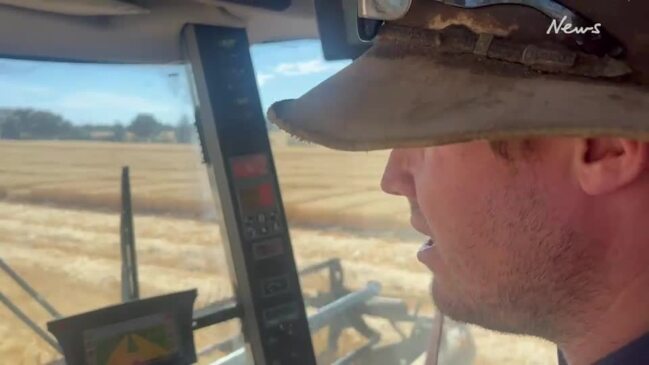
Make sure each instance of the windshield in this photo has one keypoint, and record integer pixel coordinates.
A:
(67, 131)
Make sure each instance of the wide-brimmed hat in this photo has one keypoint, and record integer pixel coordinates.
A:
(446, 74)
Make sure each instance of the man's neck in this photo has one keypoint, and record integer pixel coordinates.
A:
(607, 330)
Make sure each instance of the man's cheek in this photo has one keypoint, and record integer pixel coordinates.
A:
(432, 208)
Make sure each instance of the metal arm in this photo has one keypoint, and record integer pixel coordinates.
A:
(31, 324)
(26, 287)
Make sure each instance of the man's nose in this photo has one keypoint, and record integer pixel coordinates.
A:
(397, 177)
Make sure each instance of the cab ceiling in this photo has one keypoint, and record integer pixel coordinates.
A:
(134, 31)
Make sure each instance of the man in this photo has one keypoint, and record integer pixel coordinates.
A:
(519, 137)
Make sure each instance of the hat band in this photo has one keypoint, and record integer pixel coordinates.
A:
(599, 43)
(558, 59)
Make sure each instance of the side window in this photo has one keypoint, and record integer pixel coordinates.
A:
(67, 131)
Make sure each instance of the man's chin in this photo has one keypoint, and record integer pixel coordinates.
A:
(456, 307)
(442, 301)
(468, 310)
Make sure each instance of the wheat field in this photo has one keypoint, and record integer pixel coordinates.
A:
(59, 229)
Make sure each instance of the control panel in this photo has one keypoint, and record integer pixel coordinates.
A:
(265, 240)
(237, 151)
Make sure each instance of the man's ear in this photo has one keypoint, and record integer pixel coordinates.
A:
(608, 164)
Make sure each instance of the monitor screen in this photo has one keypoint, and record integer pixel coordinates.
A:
(151, 331)
(141, 341)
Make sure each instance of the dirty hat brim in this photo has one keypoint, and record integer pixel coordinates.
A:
(385, 100)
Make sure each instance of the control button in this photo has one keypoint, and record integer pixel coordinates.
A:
(248, 219)
(251, 232)
(287, 327)
(276, 227)
(286, 312)
(275, 286)
(261, 218)
(266, 249)
(263, 231)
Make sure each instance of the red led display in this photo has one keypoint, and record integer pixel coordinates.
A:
(250, 166)
(257, 197)
(266, 196)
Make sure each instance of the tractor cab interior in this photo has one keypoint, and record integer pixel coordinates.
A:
(220, 240)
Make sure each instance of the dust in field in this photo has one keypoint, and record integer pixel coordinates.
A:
(320, 187)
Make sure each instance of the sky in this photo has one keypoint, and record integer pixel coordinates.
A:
(107, 94)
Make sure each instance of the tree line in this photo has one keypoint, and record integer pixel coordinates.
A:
(25, 124)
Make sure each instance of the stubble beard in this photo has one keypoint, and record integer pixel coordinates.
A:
(551, 275)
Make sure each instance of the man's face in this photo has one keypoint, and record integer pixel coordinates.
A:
(506, 249)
